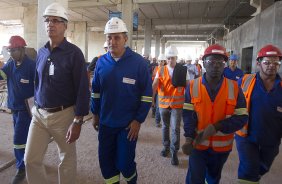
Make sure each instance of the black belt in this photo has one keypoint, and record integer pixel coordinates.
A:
(54, 109)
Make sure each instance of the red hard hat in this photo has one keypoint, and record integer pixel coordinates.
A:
(269, 51)
(215, 49)
(16, 42)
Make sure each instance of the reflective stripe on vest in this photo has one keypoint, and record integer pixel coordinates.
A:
(246, 82)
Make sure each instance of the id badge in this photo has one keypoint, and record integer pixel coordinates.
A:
(51, 69)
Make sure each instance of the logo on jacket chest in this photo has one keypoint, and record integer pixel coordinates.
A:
(128, 81)
(24, 81)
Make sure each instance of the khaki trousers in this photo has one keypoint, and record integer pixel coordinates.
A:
(43, 126)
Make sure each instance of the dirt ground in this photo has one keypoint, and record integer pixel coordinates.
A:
(152, 168)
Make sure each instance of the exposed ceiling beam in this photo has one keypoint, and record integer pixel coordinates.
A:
(171, 1)
(89, 3)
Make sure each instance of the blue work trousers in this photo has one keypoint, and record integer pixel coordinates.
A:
(171, 117)
(205, 166)
(255, 160)
(21, 120)
(117, 154)
(157, 110)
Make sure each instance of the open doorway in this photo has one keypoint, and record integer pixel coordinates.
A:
(246, 60)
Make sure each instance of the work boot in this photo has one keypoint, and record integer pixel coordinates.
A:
(19, 177)
(164, 152)
(174, 159)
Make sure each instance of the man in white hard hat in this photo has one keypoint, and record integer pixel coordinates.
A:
(171, 101)
(61, 100)
(192, 69)
(123, 81)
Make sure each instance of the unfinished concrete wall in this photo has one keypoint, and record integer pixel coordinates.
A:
(96, 42)
(265, 28)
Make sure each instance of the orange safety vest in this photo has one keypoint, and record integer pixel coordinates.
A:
(155, 72)
(248, 83)
(169, 96)
(209, 112)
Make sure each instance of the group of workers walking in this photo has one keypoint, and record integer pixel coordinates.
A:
(214, 107)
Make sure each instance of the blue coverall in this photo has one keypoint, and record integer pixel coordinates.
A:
(206, 165)
(258, 150)
(20, 81)
(233, 75)
(121, 93)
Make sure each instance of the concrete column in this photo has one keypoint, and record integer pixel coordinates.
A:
(157, 45)
(127, 17)
(148, 36)
(163, 45)
(77, 33)
(42, 37)
(30, 28)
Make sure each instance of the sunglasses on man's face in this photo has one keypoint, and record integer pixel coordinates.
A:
(53, 21)
(269, 62)
(13, 50)
(214, 62)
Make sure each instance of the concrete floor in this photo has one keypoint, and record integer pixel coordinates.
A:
(152, 169)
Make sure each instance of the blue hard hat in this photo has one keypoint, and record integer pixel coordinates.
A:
(233, 57)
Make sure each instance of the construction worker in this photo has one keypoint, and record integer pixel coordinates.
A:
(93, 63)
(155, 103)
(199, 67)
(123, 82)
(171, 101)
(258, 142)
(232, 71)
(192, 69)
(61, 100)
(215, 107)
(19, 72)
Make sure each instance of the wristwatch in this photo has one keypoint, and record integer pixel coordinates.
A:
(78, 121)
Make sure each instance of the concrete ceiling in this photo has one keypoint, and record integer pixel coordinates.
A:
(196, 19)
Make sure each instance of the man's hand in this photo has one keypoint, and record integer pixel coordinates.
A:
(95, 122)
(204, 135)
(73, 133)
(134, 128)
(187, 147)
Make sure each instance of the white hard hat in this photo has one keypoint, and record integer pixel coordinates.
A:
(55, 9)
(188, 58)
(161, 57)
(171, 51)
(115, 25)
(105, 44)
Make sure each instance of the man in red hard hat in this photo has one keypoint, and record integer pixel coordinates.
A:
(214, 109)
(19, 72)
(258, 141)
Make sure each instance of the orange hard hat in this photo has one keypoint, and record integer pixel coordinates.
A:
(16, 42)
(269, 51)
(215, 50)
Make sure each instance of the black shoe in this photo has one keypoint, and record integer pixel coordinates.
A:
(19, 177)
(174, 159)
(164, 152)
